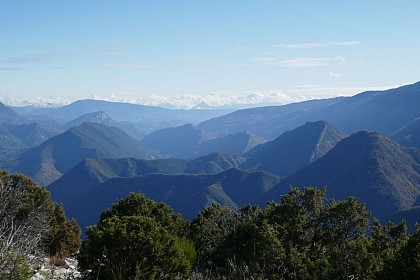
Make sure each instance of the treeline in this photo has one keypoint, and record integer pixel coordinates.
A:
(304, 236)
(31, 225)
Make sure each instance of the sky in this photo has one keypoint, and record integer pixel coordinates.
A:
(181, 53)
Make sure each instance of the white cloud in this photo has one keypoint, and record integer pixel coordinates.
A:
(300, 61)
(217, 99)
(187, 101)
(36, 101)
(331, 74)
(313, 45)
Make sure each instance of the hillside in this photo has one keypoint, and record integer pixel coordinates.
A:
(176, 141)
(91, 172)
(48, 161)
(409, 135)
(268, 122)
(381, 173)
(383, 111)
(98, 117)
(186, 194)
(293, 149)
(18, 133)
(234, 144)
(10, 116)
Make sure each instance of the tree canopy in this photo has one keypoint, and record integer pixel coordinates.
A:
(303, 236)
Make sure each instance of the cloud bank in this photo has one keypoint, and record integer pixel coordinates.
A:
(220, 99)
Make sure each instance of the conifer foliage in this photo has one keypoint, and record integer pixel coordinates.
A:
(303, 236)
(29, 220)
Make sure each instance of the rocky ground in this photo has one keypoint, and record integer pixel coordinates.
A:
(56, 269)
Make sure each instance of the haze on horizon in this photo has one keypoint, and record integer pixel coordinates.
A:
(183, 53)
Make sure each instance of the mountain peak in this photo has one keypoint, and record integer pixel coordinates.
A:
(294, 149)
(369, 166)
(97, 117)
(88, 140)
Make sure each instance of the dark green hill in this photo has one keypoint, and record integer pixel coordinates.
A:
(381, 173)
(48, 161)
(176, 141)
(409, 135)
(382, 111)
(186, 194)
(91, 172)
(293, 149)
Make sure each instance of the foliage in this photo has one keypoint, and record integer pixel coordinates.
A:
(21, 270)
(28, 221)
(209, 228)
(137, 239)
(64, 235)
(303, 236)
(25, 210)
(406, 263)
(139, 205)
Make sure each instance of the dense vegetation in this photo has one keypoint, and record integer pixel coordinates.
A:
(304, 236)
(30, 226)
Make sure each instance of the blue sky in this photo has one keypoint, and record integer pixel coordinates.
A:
(220, 52)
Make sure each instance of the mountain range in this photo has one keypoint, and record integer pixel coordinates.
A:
(188, 141)
(89, 173)
(381, 173)
(382, 111)
(186, 194)
(265, 151)
(48, 161)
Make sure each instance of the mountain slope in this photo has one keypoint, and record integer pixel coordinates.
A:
(409, 135)
(293, 149)
(18, 133)
(91, 172)
(411, 216)
(268, 122)
(176, 141)
(235, 144)
(98, 117)
(378, 171)
(382, 111)
(48, 161)
(186, 194)
(10, 116)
